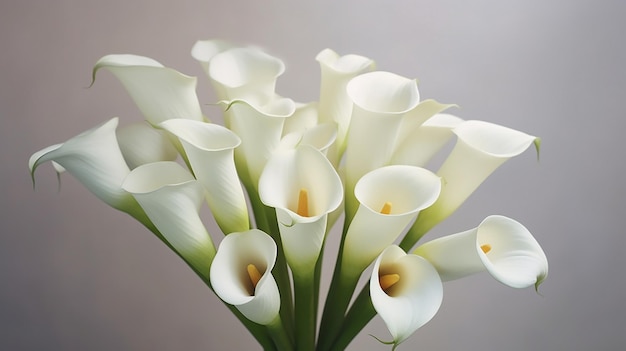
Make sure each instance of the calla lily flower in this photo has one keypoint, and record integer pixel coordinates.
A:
(260, 129)
(303, 118)
(210, 151)
(334, 103)
(245, 74)
(171, 197)
(321, 137)
(160, 93)
(406, 291)
(141, 143)
(380, 100)
(480, 149)
(390, 198)
(241, 275)
(422, 143)
(499, 245)
(304, 187)
(95, 159)
(204, 50)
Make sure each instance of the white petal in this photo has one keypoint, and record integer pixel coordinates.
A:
(230, 279)
(160, 93)
(246, 74)
(95, 159)
(210, 151)
(141, 143)
(304, 117)
(204, 50)
(422, 143)
(260, 129)
(336, 72)
(480, 149)
(285, 175)
(513, 256)
(413, 300)
(408, 189)
(380, 100)
(420, 114)
(171, 198)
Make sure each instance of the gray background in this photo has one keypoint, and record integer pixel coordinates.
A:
(77, 275)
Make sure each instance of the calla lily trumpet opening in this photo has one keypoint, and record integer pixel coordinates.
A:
(280, 173)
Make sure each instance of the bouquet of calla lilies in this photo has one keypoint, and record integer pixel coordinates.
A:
(280, 175)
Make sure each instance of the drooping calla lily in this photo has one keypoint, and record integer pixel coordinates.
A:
(380, 100)
(406, 291)
(260, 129)
(499, 245)
(241, 275)
(480, 149)
(422, 143)
(304, 187)
(95, 159)
(390, 198)
(210, 151)
(159, 92)
(245, 74)
(171, 197)
(336, 72)
(141, 143)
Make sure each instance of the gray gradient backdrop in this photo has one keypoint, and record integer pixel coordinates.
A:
(77, 275)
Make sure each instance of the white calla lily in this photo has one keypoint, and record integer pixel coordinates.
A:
(334, 103)
(241, 275)
(406, 292)
(95, 159)
(304, 187)
(141, 143)
(321, 137)
(420, 114)
(260, 129)
(380, 99)
(159, 92)
(210, 151)
(171, 197)
(245, 74)
(499, 245)
(480, 149)
(204, 50)
(390, 198)
(422, 143)
(304, 118)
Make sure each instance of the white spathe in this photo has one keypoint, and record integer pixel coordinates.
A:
(230, 278)
(499, 245)
(334, 103)
(171, 198)
(422, 143)
(210, 152)
(159, 92)
(95, 159)
(141, 143)
(480, 149)
(260, 129)
(204, 50)
(413, 300)
(406, 189)
(245, 73)
(288, 173)
(380, 100)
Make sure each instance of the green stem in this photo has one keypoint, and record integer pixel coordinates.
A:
(425, 222)
(361, 312)
(305, 310)
(278, 334)
(338, 298)
(258, 331)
